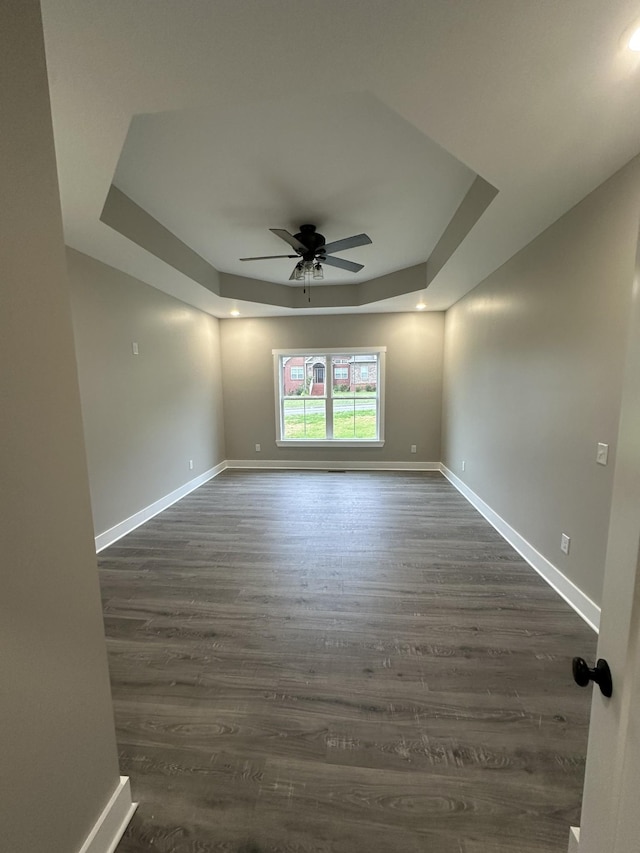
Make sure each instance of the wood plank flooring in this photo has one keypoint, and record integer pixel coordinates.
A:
(340, 663)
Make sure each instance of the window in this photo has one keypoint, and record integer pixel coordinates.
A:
(322, 412)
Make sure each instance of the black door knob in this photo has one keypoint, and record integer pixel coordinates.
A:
(601, 674)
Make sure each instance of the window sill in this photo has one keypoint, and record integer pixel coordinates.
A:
(333, 443)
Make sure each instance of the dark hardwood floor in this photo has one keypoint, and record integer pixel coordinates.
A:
(341, 663)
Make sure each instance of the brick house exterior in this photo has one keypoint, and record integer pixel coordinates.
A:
(294, 371)
(350, 374)
(356, 373)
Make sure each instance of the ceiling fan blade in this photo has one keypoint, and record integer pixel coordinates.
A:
(344, 265)
(289, 238)
(347, 243)
(266, 257)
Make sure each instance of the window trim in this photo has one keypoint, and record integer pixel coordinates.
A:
(328, 353)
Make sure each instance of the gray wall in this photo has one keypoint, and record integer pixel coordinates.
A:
(533, 376)
(145, 416)
(413, 382)
(58, 766)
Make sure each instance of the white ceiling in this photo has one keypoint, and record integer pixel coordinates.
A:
(223, 118)
(219, 179)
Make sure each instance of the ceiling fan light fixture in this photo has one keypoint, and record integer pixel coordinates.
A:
(318, 272)
(298, 274)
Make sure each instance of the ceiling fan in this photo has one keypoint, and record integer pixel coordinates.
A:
(312, 251)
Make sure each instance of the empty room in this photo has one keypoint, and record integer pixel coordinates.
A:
(320, 336)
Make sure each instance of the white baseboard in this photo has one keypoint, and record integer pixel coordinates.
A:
(574, 596)
(344, 465)
(110, 826)
(574, 839)
(103, 540)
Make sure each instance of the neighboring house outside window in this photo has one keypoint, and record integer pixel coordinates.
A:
(330, 396)
(294, 374)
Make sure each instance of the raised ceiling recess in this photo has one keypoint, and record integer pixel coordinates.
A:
(198, 188)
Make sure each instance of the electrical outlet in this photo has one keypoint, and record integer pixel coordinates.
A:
(565, 543)
(602, 453)
(414, 448)
(464, 465)
(258, 448)
(191, 464)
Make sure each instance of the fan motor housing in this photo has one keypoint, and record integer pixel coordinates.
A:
(312, 239)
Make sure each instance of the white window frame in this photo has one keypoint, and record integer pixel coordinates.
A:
(336, 368)
(296, 367)
(329, 353)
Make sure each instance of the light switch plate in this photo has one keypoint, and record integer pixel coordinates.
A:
(602, 454)
(565, 543)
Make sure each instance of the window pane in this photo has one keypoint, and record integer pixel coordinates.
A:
(354, 417)
(365, 419)
(304, 417)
